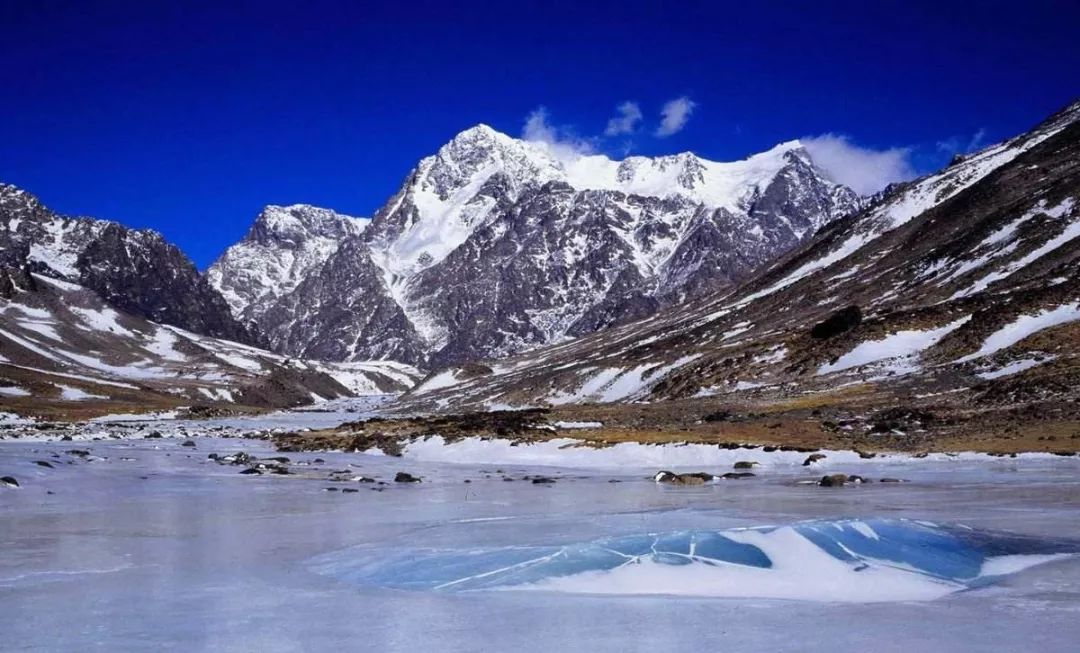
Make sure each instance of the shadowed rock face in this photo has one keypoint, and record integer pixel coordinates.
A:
(135, 270)
(138, 272)
(493, 246)
(839, 322)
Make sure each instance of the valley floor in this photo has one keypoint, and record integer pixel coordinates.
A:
(856, 418)
(152, 544)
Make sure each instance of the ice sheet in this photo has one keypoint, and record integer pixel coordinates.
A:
(148, 545)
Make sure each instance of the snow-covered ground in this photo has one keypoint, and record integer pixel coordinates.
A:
(148, 545)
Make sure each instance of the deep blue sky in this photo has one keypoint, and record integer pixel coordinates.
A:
(188, 117)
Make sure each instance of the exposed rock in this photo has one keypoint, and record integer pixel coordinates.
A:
(813, 458)
(405, 477)
(718, 416)
(839, 322)
(134, 270)
(737, 475)
(833, 480)
(9, 481)
(695, 478)
(238, 458)
(746, 464)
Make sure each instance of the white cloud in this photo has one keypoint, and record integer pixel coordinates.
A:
(629, 115)
(561, 140)
(862, 169)
(961, 145)
(674, 115)
(537, 127)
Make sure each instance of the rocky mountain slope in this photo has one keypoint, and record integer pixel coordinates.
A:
(66, 353)
(134, 270)
(283, 247)
(960, 289)
(495, 245)
(96, 317)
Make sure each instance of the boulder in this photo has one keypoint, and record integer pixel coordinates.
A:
(405, 477)
(718, 416)
(841, 321)
(836, 480)
(690, 479)
(9, 481)
(187, 443)
(737, 475)
(746, 464)
(238, 458)
(813, 458)
(694, 478)
(791, 447)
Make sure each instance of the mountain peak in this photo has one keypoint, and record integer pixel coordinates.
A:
(16, 200)
(297, 222)
(479, 130)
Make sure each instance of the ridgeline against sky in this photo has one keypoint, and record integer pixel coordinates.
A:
(189, 117)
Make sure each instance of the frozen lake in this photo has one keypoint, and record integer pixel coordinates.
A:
(148, 545)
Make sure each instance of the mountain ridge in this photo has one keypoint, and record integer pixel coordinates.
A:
(494, 244)
(936, 282)
(136, 270)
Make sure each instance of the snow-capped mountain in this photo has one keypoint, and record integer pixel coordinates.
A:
(66, 353)
(282, 248)
(134, 270)
(96, 317)
(962, 287)
(495, 245)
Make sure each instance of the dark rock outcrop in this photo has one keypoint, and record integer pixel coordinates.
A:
(134, 270)
(839, 322)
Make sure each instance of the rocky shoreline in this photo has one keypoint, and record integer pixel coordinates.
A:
(907, 431)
